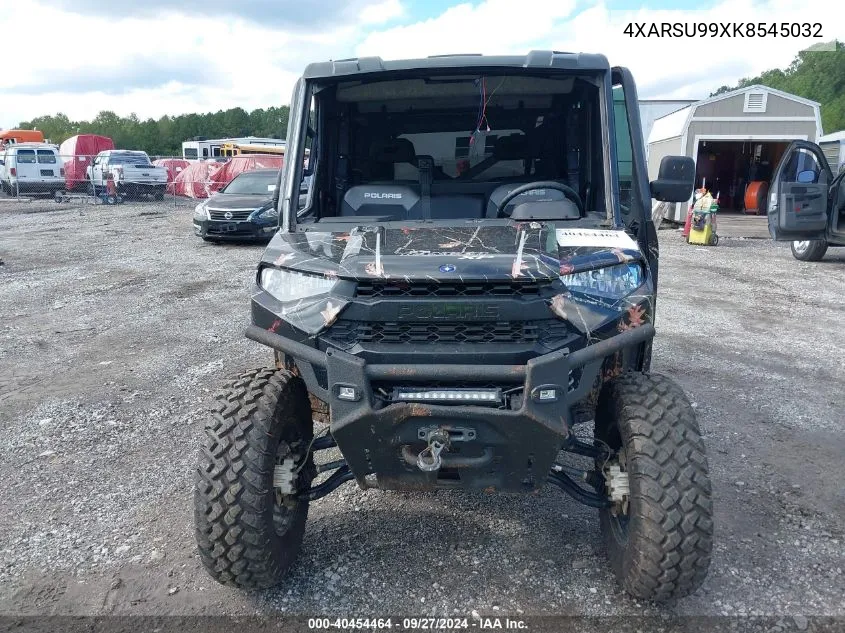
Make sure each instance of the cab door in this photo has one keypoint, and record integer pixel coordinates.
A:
(97, 170)
(799, 195)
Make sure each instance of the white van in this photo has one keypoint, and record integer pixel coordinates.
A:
(31, 168)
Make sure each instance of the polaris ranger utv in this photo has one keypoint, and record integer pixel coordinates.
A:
(469, 278)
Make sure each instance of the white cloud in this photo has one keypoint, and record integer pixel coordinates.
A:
(382, 12)
(493, 26)
(663, 67)
(684, 67)
(239, 62)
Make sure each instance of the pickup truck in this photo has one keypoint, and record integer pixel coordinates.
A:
(132, 171)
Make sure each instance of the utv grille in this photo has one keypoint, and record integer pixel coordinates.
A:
(390, 289)
(347, 333)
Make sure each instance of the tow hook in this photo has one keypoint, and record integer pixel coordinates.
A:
(429, 458)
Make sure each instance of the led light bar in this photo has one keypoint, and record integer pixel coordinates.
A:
(489, 397)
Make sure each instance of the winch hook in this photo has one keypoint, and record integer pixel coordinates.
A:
(429, 458)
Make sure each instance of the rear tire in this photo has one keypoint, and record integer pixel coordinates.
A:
(659, 547)
(159, 194)
(247, 533)
(809, 250)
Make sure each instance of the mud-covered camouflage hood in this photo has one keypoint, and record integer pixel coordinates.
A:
(471, 252)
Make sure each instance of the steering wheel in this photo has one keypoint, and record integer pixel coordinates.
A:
(566, 190)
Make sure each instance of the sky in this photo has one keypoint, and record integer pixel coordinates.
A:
(157, 57)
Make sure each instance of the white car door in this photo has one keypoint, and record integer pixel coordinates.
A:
(26, 166)
(49, 166)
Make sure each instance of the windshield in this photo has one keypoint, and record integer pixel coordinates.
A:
(129, 159)
(446, 147)
(253, 183)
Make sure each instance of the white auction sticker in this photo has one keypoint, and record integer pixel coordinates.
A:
(595, 237)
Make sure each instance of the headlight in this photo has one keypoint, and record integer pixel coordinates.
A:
(610, 282)
(201, 210)
(286, 285)
(268, 214)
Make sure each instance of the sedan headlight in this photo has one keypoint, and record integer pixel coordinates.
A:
(287, 285)
(270, 213)
(201, 210)
(610, 282)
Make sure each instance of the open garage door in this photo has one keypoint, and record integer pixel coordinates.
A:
(739, 172)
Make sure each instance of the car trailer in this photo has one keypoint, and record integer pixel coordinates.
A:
(87, 198)
(108, 195)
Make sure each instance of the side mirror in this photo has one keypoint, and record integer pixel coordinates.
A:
(675, 179)
(806, 177)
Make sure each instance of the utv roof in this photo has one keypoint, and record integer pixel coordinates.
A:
(534, 60)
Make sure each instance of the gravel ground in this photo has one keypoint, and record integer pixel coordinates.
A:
(118, 324)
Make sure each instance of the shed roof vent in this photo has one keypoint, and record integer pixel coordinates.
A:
(755, 102)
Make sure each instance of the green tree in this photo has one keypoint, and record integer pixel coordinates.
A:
(817, 73)
(164, 136)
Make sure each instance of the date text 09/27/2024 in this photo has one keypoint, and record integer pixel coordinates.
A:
(418, 624)
(723, 29)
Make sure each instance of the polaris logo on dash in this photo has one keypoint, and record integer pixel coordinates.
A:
(531, 192)
(383, 196)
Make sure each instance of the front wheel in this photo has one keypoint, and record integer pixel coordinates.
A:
(809, 250)
(659, 533)
(248, 531)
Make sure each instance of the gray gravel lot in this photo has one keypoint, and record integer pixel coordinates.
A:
(117, 324)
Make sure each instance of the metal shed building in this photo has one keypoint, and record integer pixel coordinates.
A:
(736, 139)
(833, 146)
(653, 109)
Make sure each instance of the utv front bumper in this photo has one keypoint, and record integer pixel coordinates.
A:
(510, 448)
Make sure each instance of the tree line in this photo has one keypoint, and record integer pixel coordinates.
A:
(164, 137)
(817, 73)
